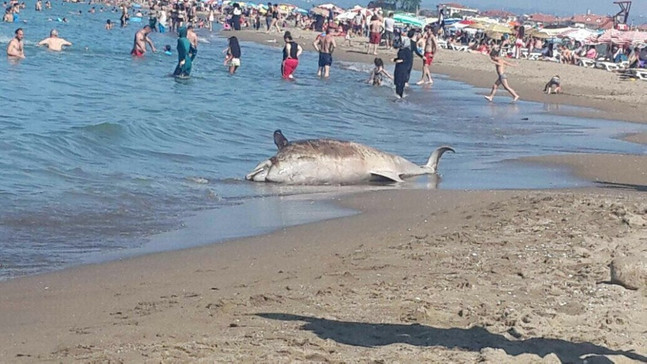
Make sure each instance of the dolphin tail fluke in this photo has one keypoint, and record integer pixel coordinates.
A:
(432, 163)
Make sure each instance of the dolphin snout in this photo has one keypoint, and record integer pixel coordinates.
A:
(259, 173)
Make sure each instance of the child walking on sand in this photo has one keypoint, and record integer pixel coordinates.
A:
(503, 78)
(378, 72)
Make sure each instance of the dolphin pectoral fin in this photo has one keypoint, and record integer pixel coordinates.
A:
(386, 175)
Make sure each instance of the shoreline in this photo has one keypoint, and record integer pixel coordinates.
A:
(623, 100)
(494, 276)
(618, 104)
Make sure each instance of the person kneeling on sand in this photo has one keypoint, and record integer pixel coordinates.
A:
(554, 82)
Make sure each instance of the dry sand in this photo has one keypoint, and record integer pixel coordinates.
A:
(419, 276)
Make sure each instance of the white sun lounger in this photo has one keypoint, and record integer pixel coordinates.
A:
(640, 74)
(609, 66)
(534, 56)
(461, 48)
(586, 62)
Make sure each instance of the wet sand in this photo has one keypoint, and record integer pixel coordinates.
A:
(419, 276)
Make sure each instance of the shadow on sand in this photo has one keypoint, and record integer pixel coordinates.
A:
(622, 186)
(473, 339)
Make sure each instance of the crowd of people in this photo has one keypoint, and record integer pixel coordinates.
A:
(183, 16)
(378, 29)
(565, 50)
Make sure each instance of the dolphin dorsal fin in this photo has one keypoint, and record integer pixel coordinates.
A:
(279, 139)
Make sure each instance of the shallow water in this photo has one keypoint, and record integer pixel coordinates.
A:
(103, 153)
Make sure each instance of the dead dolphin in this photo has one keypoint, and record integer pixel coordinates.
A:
(328, 161)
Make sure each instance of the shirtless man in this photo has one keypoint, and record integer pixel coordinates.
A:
(430, 45)
(8, 16)
(375, 34)
(502, 79)
(193, 39)
(15, 46)
(124, 15)
(54, 43)
(325, 45)
(141, 38)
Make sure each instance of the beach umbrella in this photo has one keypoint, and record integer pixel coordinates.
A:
(327, 6)
(348, 15)
(408, 19)
(300, 11)
(494, 35)
(477, 26)
(542, 35)
(319, 11)
(498, 28)
(577, 34)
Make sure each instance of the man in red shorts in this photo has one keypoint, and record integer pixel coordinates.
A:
(141, 38)
(375, 34)
(430, 45)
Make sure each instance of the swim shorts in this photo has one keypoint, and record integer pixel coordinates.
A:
(374, 37)
(325, 59)
(429, 57)
(235, 62)
(289, 65)
(502, 77)
(137, 53)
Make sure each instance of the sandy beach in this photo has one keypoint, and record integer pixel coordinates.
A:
(418, 276)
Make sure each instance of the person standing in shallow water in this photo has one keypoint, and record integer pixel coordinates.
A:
(15, 48)
(325, 45)
(193, 39)
(183, 68)
(402, 62)
(233, 55)
(53, 42)
(141, 39)
(291, 53)
(502, 77)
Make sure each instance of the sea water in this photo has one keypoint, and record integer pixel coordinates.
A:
(105, 156)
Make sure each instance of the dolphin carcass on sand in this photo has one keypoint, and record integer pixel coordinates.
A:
(328, 161)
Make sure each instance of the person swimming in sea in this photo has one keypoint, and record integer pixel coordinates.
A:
(184, 63)
(167, 50)
(378, 73)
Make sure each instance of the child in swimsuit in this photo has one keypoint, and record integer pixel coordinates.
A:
(553, 86)
(378, 72)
